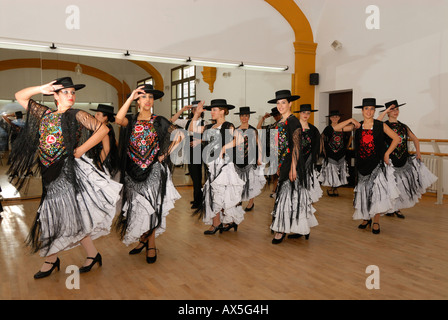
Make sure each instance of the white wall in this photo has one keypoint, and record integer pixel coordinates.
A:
(405, 60)
(249, 30)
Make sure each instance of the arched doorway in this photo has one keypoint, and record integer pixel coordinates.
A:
(305, 50)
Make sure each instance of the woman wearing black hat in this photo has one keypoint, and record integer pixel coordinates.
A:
(106, 153)
(411, 174)
(311, 149)
(268, 147)
(222, 190)
(149, 192)
(376, 189)
(293, 211)
(248, 163)
(72, 210)
(195, 164)
(334, 172)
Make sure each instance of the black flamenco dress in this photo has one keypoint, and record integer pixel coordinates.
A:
(78, 200)
(293, 211)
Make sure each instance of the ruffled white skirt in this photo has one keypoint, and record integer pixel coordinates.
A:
(143, 199)
(222, 193)
(314, 185)
(254, 179)
(293, 211)
(412, 181)
(334, 173)
(66, 217)
(375, 193)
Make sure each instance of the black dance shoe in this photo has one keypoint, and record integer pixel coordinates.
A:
(89, 267)
(151, 259)
(297, 235)
(249, 209)
(220, 228)
(277, 241)
(136, 251)
(399, 214)
(230, 226)
(43, 274)
(376, 231)
(363, 226)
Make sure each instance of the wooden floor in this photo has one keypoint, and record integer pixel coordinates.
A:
(411, 256)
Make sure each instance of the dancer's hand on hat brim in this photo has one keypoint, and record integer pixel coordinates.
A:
(137, 93)
(200, 107)
(388, 110)
(50, 88)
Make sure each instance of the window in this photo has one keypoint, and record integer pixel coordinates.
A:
(183, 88)
(149, 80)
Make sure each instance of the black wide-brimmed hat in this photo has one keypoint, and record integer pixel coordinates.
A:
(369, 102)
(104, 108)
(393, 102)
(284, 94)
(195, 103)
(219, 103)
(305, 107)
(66, 82)
(334, 113)
(274, 112)
(18, 114)
(245, 110)
(148, 88)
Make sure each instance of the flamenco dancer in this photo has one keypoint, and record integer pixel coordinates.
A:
(267, 132)
(107, 151)
(248, 160)
(310, 150)
(195, 163)
(293, 211)
(334, 170)
(376, 189)
(411, 175)
(149, 193)
(220, 208)
(78, 201)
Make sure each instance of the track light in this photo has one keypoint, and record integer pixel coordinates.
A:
(118, 54)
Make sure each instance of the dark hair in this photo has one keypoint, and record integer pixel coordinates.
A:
(110, 117)
(226, 111)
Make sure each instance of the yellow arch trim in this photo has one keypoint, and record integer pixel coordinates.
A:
(305, 51)
(158, 79)
(122, 87)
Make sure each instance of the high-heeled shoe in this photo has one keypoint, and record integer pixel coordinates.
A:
(277, 241)
(230, 226)
(399, 214)
(43, 274)
(376, 231)
(297, 235)
(215, 228)
(249, 209)
(151, 259)
(138, 250)
(96, 259)
(363, 226)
